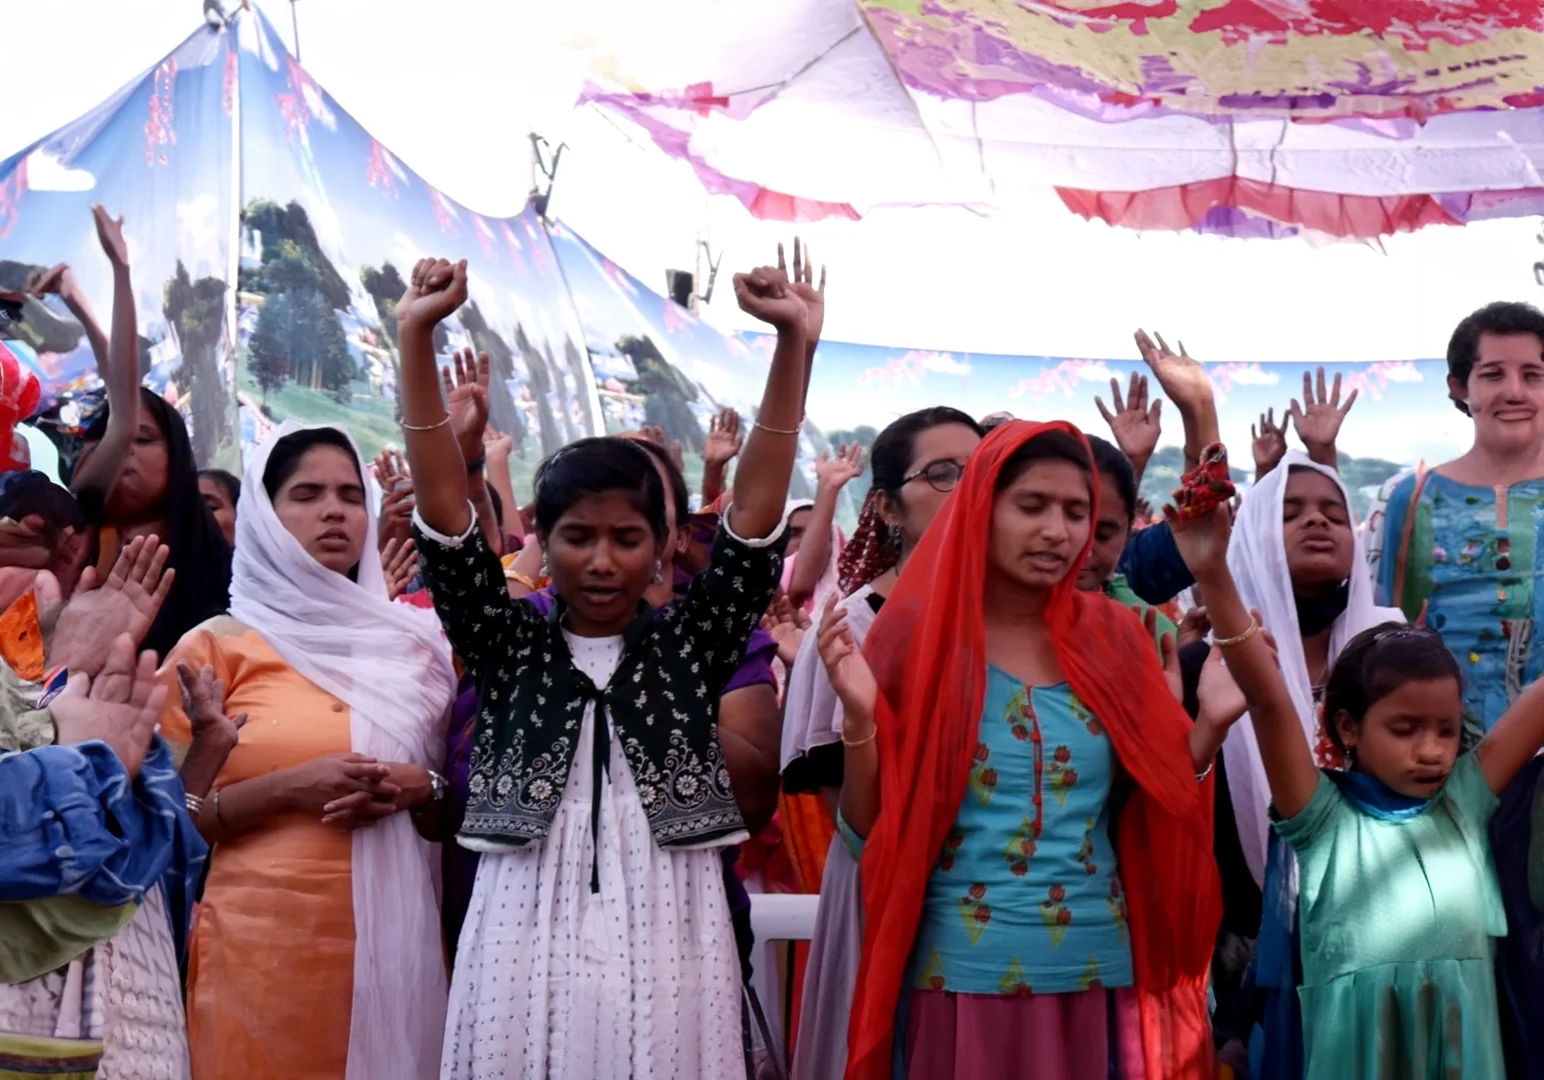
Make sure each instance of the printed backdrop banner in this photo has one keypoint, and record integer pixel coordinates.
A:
(331, 226)
(1402, 413)
(159, 154)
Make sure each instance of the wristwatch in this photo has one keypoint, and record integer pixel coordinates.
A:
(437, 788)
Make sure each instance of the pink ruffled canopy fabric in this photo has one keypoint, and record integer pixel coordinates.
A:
(1344, 118)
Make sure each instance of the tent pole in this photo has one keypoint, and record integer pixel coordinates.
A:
(233, 265)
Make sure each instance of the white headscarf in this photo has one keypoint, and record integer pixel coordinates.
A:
(1257, 556)
(826, 584)
(390, 664)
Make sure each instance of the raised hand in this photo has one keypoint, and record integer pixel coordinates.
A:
(466, 399)
(832, 473)
(120, 707)
(78, 635)
(786, 625)
(656, 435)
(1203, 540)
(436, 290)
(1270, 442)
(399, 561)
(58, 280)
(1182, 378)
(724, 439)
(803, 285)
(1134, 424)
(110, 234)
(767, 294)
(850, 675)
(1319, 417)
(396, 520)
(203, 701)
(498, 446)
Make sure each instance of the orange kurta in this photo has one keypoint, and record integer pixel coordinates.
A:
(271, 961)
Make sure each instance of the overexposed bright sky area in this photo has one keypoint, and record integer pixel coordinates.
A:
(453, 86)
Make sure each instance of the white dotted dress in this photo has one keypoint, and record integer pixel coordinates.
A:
(552, 983)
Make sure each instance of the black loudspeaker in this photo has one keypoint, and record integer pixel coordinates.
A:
(680, 285)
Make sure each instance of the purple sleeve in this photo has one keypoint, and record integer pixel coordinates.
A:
(756, 668)
(543, 600)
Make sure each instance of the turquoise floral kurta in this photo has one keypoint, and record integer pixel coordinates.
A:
(1026, 895)
(1474, 562)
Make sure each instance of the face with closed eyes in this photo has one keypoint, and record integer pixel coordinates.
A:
(1409, 738)
(1316, 530)
(322, 505)
(601, 555)
(1040, 523)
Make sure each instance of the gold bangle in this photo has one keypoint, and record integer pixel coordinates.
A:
(524, 579)
(426, 427)
(851, 744)
(1230, 642)
(780, 431)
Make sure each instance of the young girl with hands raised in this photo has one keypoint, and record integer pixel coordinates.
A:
(1397, 898)
(598, 939)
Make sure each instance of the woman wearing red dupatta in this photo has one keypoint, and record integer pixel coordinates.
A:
(930, 650)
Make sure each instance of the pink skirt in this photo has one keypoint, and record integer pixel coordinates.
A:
(1087, 1035)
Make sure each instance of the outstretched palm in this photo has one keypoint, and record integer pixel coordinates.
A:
(1319, 418)
(466, 400)
(1270, 442)
(1182, 377)
(1134, 424)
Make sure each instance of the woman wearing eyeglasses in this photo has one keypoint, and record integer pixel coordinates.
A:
(916, 462)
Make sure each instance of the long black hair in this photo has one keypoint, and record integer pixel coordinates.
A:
(199, 552)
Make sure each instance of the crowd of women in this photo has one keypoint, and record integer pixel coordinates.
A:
(366, 771)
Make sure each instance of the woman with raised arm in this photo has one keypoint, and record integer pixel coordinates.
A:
(1032, 802)
(136, 475)
(317, 950)
(916, 462)
(598, 942)
(1398, 905)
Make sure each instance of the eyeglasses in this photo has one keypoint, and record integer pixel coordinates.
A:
(942, 476)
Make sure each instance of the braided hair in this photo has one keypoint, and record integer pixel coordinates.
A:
(869, 553)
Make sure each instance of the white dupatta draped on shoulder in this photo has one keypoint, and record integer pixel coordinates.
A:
(1257, 556)
(391, 665)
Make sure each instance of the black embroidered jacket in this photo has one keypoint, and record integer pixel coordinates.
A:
(663, 699)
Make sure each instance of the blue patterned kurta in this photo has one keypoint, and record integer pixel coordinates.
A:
(1474, 561)
(1026, 896)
